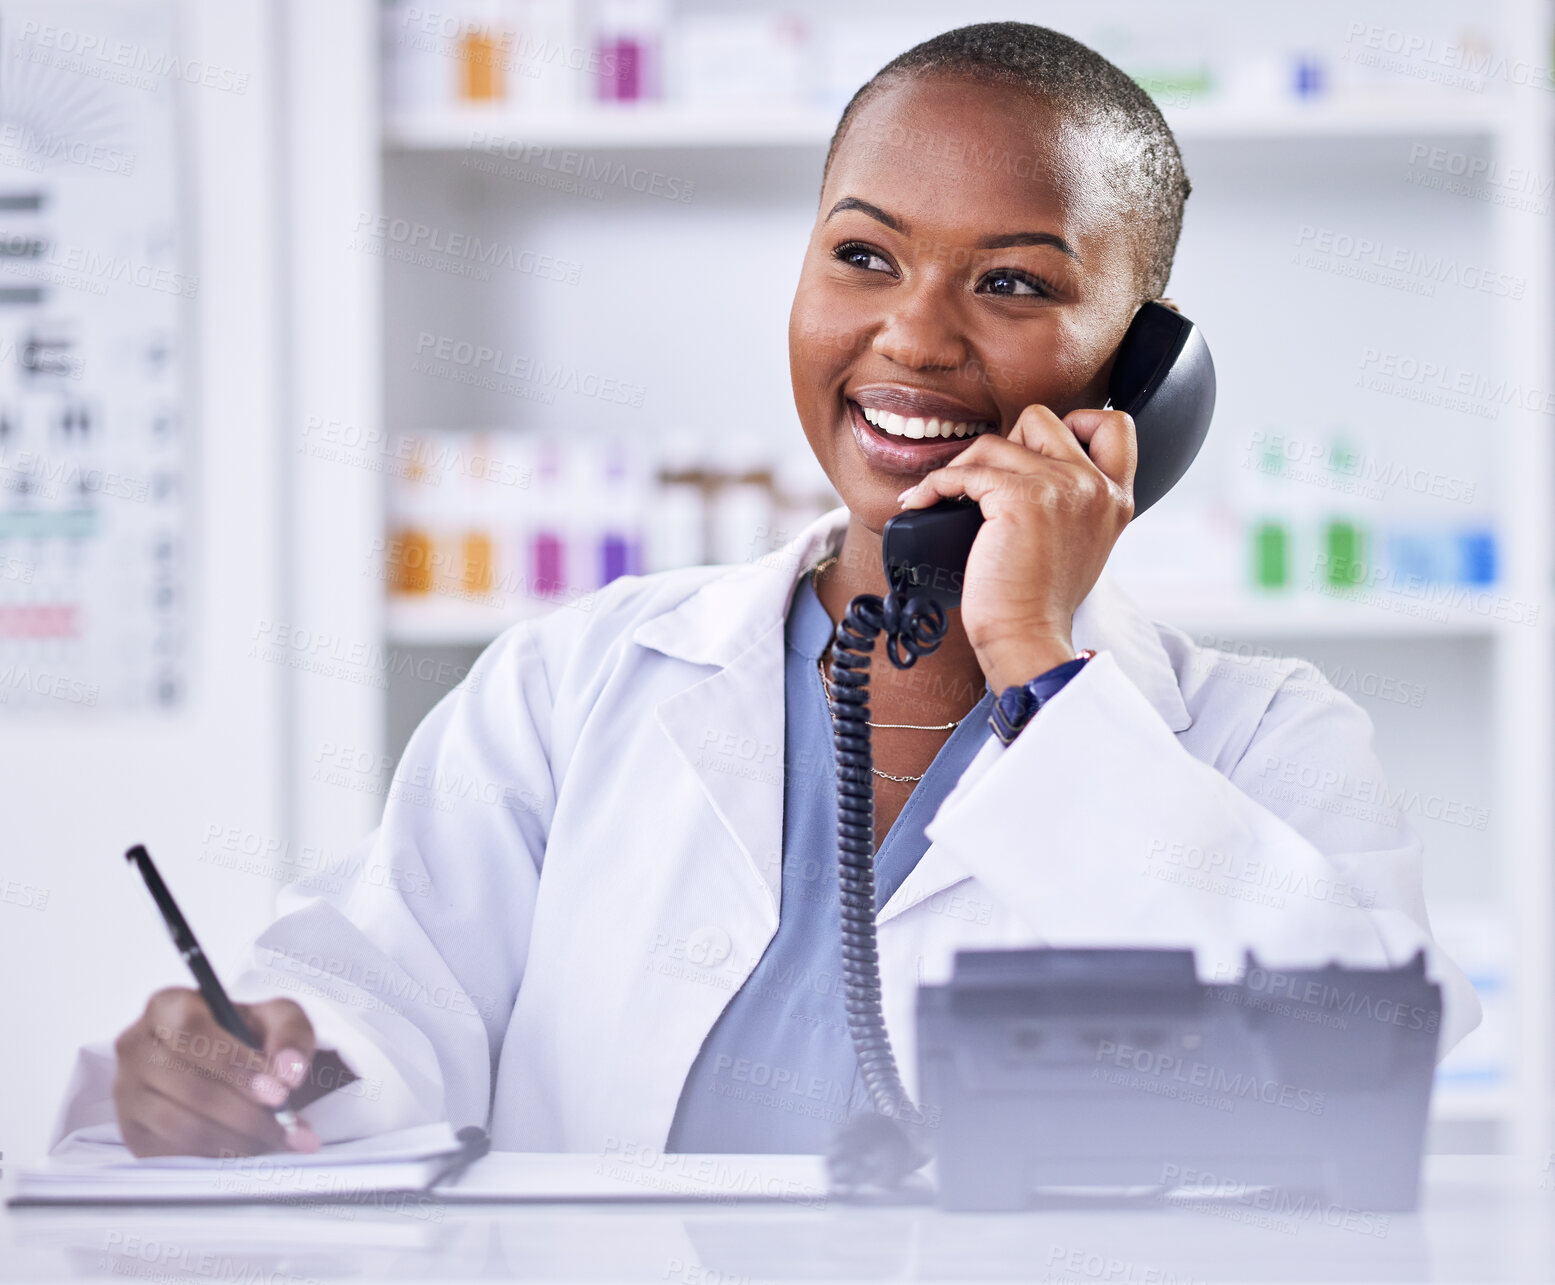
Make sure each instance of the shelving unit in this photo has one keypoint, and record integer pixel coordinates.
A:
(671, 126)
(442, 622)
(1509, 740)
(451, 624)
(1271, 617)
(610, 127)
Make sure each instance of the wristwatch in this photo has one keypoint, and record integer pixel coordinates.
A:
(1016, 705)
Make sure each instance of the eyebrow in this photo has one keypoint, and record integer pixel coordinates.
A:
(1008, 239)
(1002, 241)
(874, 212)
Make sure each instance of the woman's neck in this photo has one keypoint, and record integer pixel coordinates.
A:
(949, 680)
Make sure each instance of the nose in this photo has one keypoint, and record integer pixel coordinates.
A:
(922, 328)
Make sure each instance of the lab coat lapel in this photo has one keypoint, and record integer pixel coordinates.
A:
(728, 728)
(1108, 620)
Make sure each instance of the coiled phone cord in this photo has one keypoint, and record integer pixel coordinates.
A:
(884, 1148)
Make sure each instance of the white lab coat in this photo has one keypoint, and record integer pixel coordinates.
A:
(580, 861)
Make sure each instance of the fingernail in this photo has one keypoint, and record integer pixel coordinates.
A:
(301, 1138)
(907, 492)
(268, 1090)
(291, 1066)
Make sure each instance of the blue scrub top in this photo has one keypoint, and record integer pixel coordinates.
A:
(777, 1073)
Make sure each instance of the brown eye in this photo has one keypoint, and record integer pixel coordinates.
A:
(1008, 282)
(862, 256)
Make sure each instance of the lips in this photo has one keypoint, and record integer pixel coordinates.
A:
(911, 411)
(915, 403)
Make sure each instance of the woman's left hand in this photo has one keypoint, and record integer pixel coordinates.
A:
(1051, 514)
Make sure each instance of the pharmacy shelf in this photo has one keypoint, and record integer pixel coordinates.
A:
(1377, 117)
(608, 126)
(1456, 1104)
(1313, 616)
(432, 621)
(451, 622)
(671, 125)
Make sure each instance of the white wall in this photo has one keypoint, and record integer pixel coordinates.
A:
(333, 305)
(78, 791)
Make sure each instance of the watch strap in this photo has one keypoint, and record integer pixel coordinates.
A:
(1017, 706)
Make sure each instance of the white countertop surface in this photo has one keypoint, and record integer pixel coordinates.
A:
(1483, 1219)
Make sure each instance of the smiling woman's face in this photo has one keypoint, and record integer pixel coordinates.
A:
(967, 261)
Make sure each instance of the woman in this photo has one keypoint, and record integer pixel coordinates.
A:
(637, 944)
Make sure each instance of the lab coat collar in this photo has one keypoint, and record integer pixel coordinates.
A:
(730, 612)
(735, 621)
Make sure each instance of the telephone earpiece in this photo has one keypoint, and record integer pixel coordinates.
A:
(1162, 375)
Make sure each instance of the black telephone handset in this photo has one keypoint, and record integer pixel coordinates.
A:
(1162, 376)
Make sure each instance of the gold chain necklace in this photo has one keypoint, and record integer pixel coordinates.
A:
(820, 665)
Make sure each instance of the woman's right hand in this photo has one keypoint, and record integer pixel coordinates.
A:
(185, 1087)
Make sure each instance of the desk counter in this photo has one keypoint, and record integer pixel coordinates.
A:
(1483, 1219)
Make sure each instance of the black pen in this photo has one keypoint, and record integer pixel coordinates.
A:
(215, 997)
(474, 1142)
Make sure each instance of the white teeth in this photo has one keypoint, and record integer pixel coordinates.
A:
(899, 426)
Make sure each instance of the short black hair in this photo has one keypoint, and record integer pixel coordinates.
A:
(1146, 166)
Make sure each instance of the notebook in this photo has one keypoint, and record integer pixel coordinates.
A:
(408, 1161)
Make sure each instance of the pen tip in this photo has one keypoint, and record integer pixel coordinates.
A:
(135, 853)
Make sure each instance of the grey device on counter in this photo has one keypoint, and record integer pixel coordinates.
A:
(1120, 1069)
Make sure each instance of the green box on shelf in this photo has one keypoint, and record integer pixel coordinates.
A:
(1271, 555)
(1345, 544)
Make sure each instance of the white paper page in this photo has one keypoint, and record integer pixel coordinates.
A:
(401, 1144)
